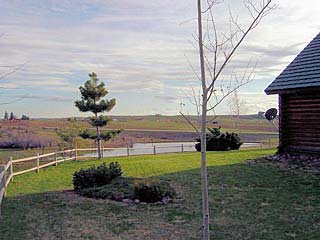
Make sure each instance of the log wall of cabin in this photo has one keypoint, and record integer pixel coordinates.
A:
(300, 122)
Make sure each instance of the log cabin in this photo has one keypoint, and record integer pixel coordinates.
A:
(298, 87)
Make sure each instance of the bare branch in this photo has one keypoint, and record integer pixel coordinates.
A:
(190, 122)
(186, 21)
(211, 4)
(12, 71)
(13, 101)
(253, 24)
(193, 70)
(240, 84)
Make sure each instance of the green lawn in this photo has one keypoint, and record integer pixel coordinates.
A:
(247, 201)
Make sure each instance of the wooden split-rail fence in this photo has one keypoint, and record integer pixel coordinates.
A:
(7, 172)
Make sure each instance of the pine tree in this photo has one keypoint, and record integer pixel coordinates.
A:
(6, 116)
(25, 117)
(12, 117)
(92, 94)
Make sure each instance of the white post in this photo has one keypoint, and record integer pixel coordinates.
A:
(56, 159)
(128, 151)
(75, 154)
(2, 186)
(11, 168)
(37, 162)
(154, 150)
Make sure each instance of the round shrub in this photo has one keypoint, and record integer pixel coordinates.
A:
(152, 190)
(123, 187)
(217, 141)
(96, 176)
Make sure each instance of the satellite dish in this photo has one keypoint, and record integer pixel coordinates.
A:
(271, 114)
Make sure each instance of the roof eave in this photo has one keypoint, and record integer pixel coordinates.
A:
(271, 92)
(292, 90)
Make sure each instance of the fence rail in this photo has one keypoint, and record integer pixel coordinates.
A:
(7, 172)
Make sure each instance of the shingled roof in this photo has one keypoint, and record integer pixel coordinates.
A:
(303, 72)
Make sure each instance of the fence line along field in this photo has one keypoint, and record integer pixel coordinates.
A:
(26, 138)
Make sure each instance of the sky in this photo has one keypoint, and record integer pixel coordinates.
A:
(141, 49)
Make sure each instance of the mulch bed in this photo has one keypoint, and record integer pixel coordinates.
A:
(300, 162)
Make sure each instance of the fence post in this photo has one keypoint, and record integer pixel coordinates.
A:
(97, 152)
(102, 151)
(38, 160)
(11, 168)
(182, 148)
(75, 154)
(2, 186)
(56, 158)
(128, 151)
(154, 150)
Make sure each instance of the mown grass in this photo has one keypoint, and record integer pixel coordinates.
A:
(247, 201)
(59, 178)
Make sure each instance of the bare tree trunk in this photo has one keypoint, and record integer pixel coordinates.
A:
(222, 47)
(204, 178)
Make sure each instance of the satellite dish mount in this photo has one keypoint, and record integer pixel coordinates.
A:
(270, 115)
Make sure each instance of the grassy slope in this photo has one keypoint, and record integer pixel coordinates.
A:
(247, 202)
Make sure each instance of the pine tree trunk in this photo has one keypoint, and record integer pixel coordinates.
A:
(204, 177)
(98, 140)
(99, 143)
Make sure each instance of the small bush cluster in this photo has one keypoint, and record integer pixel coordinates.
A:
(217, 141)
(96, 176)
(26, 141)
(105, 182)
(152, 190)
(122, 186)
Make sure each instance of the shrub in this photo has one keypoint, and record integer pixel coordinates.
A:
(217, 141)
(96, 176)
(24, 140)
(121, 185)
(152, 190)
(115, 169)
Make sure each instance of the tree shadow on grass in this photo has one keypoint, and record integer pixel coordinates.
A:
(246, 202)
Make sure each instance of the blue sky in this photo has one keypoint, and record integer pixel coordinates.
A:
(138, 48)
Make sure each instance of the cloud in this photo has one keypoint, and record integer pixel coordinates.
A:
(136, 47)
(44, 97)
(169, 99)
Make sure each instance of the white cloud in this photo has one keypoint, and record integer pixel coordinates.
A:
(44, 97)
(136, 46)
